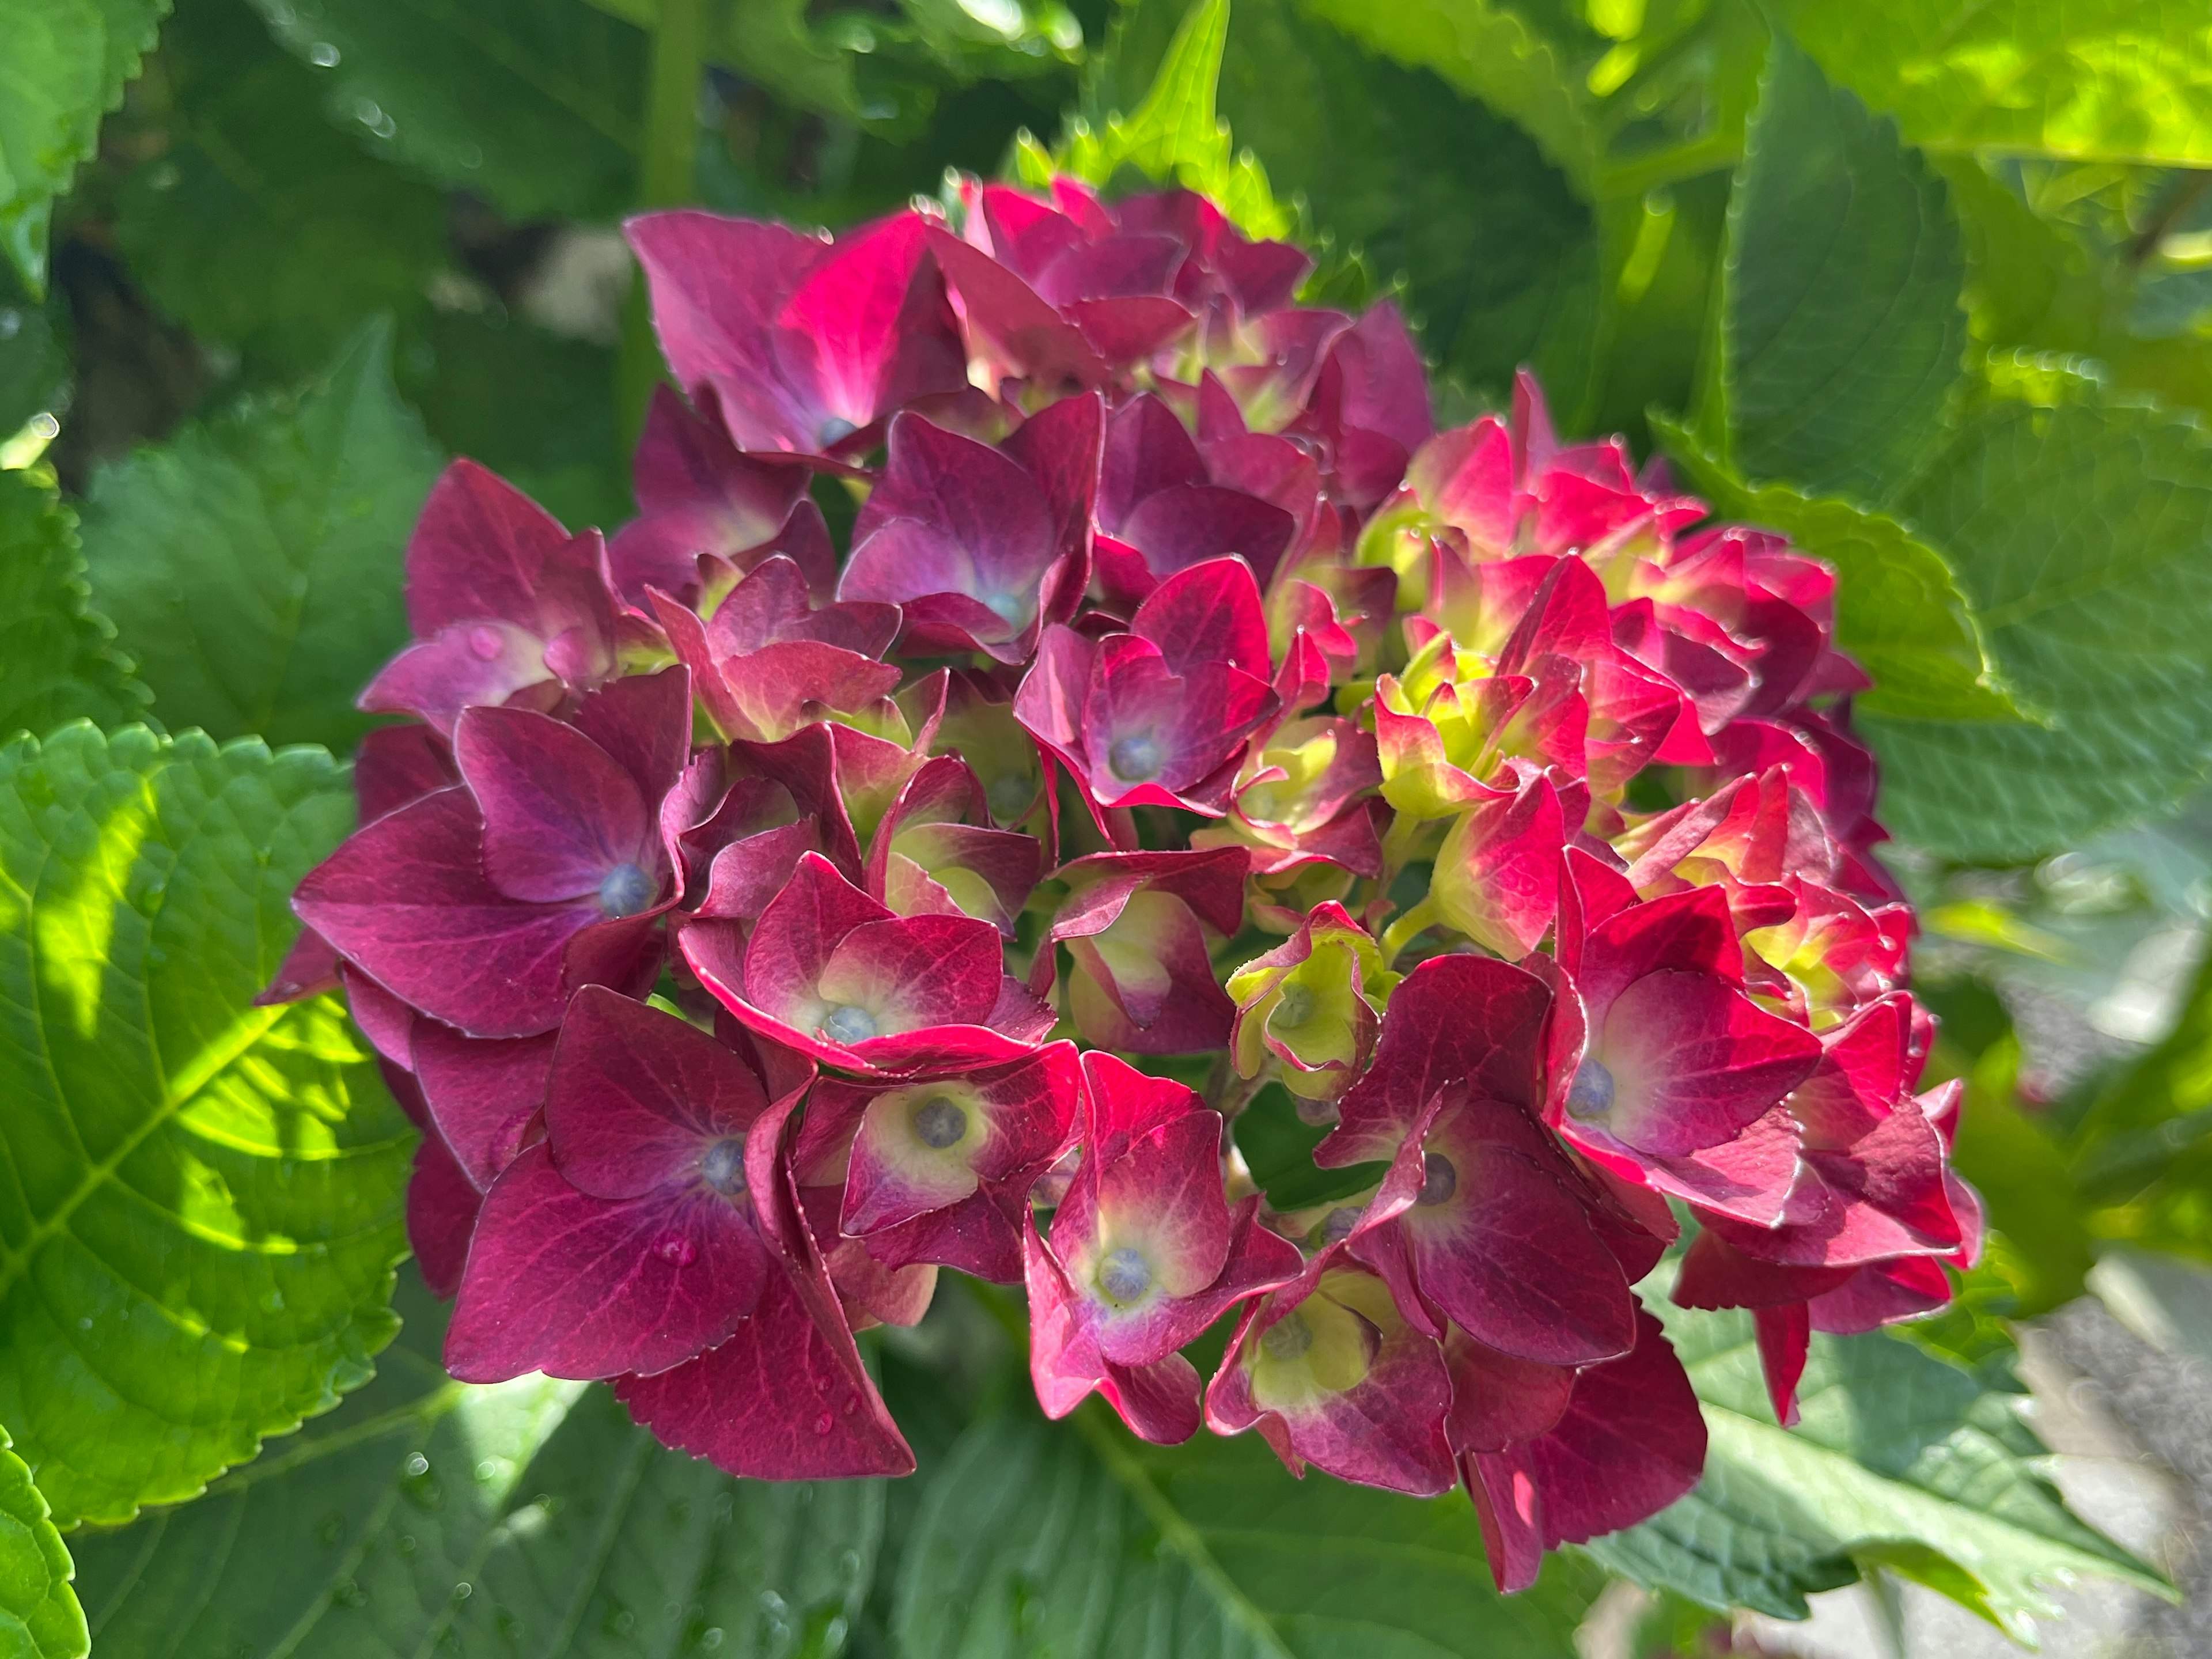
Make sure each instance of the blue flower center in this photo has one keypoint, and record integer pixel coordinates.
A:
(1008, 607)
(1135, 759)
(722, 1166)
(848, 1024)
(1011, 794)
(1125, 1275)
(1288, 1338)
(835, 429)
(939, 1122)
(1590, 1095)
(1439, 1180)
(624, 890)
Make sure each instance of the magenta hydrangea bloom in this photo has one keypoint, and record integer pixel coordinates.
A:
(1180, 689)
(1157, 716)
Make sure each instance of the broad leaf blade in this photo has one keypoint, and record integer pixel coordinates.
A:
(1080, 1541)
(535, 103)
(203, 1207)
(1841, 330)
(2083, 536)
(39, 1617)
(259, 224)
(1898, 612)
(2099, 80)
(1900, 1458)
(253, 564)
(57, 658)
(65, 66)
(531, 1517)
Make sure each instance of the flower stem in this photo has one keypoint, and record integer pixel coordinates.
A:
(1401, 933)
(672, 146)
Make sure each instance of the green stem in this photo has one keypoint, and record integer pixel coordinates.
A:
(671, 148)
(1402, 931)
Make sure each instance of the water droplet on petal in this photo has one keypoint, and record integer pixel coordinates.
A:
(824, 1423)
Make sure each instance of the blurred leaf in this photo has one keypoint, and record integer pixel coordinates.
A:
(252, 563)
(528, 1517)
(66, 67)
(2117, 80)
(1278, 1147)
(534, 103)
(1081, 1542)
(1898, 611)
(1900, 1460)
(2083, 537)
(262, 226)
(57, 658)
(39, 1617)
(35, 364)
(2143, 1149)
(534, 407)
(204, 1202)
(2026, 1188)
(1840, 331)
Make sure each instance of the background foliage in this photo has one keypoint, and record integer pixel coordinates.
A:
(1926, 284)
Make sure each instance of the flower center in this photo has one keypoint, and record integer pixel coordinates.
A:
(1135, 759)
(1439, 1180)
(1288, 1338)
(624, 890)
(1011, 794)
(1590, 1095)
(1339, 1223)
(1294, 1007)
(836, 429)
(722, 1166)
(1007, 607)
(1125, 1275)
(939, 1122)
(848, 1024)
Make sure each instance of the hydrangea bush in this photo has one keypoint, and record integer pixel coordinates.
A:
(760, 919)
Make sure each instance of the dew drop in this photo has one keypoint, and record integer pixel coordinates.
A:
(323, 55)
(824, 1423)
(417, 1464)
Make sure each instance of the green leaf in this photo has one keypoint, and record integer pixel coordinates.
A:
(34, 362)
(252, 563)
(1898, 611)
(1840, 331)
(1900, 1460)
(1491, 52)
(1081, 1542)
(260, 225)
(1174, 134)
(1277, 1148)
(57, 658)
(39, 1617)
(2107, 80)
(66, 67)
(530, 1517)
(535, 103)
(536, 408)
(2027, 1192)
(2083, 537)
(202, 1203)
